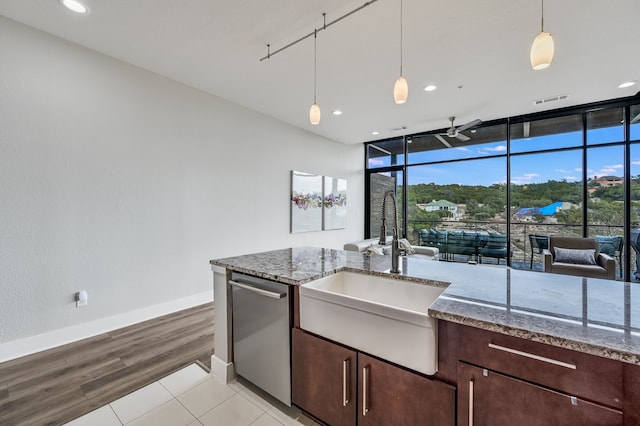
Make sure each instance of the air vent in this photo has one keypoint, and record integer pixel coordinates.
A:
(397, 129)
(551, 99)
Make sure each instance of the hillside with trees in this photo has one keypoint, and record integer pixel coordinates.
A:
(486, 203)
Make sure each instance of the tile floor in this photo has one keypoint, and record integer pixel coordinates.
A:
(192, 397)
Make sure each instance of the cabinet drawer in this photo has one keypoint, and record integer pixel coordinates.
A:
(582, 375)
(489, 398)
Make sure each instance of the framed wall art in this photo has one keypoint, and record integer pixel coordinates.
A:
(334, 203)
(306, 202)
(317, 202)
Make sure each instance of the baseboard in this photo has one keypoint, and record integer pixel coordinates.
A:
(224, 371)
(30, 345)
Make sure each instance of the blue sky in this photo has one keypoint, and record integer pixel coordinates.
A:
(534, 168)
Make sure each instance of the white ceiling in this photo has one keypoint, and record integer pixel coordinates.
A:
(476, 52)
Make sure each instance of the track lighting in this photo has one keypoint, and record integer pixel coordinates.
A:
(314, 111)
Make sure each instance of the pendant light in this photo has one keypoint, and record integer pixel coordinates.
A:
(542, 47)
(401, 88)
(314, 112)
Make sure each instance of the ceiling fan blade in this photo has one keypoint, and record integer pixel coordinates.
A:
(462, 137)
(469, 125)
(444, 142)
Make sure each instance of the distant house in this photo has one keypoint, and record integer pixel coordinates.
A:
(442, 205)
(526, 213)
(604, 182)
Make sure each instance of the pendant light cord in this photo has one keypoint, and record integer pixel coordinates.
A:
(315, 63)
(400, 37)
(542, 18)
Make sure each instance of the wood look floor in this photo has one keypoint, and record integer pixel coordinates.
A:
(61, 384)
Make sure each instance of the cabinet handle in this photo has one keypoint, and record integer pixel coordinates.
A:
(365, 409)
(471, 402)
(533, 356)
(257, 290)
(345, 381)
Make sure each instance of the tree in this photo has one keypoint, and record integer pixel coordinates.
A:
(539, 218)
(571, 216)
(606, 213)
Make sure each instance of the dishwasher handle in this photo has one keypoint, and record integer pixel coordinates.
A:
(267, 293)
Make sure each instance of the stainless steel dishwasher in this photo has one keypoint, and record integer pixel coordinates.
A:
(261, 334)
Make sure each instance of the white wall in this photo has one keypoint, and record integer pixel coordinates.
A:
(124, 183)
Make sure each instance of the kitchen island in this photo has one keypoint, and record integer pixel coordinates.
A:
(596, 319)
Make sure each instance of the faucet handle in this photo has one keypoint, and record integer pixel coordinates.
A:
(383, 235)
(395, 233)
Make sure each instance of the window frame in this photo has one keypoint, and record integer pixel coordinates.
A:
(584, 110)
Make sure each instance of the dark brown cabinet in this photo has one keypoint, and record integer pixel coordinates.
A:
(324, 379)
(506, 380)
(325, 376)
(583, 375)
(489, 398)
(393, 396)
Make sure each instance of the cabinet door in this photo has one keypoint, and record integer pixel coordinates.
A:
(324, 379)
(631, 395)
(390, 395)
(489, 398)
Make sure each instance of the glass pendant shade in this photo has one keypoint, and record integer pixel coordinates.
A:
(542, 51)
(314, 114)
(401, 90)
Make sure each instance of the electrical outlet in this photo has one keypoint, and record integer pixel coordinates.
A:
(81, 298)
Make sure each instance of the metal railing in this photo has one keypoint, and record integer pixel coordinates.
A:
(523, 256)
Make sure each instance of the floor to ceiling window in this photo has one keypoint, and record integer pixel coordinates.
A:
(546, 199)
(385, 160)
(634, 193)
(546, 184)
(495, 192)
(456, 197)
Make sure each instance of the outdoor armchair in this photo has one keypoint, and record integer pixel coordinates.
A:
(578, 256)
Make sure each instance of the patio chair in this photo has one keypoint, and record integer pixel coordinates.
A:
(461, 243)
(433, 238)
(495, 246)
(611, 245)
(578, 256)
(538, 243)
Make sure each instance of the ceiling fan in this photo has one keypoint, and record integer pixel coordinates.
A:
(454, 132)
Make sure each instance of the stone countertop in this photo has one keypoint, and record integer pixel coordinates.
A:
(296, 266)
(595, 316)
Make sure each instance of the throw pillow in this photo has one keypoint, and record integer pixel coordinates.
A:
(575, 256)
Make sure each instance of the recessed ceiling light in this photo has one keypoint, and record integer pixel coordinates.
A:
(75, 6)
(430, 88)
(337, 112)
(626, 84)
(375, 133)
